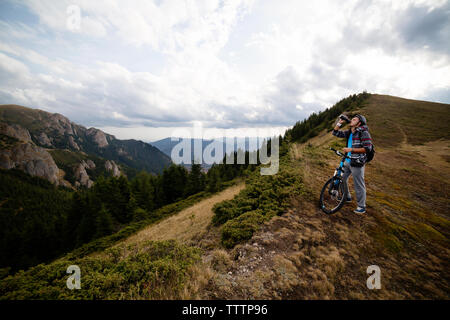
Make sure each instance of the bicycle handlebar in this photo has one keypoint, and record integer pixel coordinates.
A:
(337, 152)
(340, 153)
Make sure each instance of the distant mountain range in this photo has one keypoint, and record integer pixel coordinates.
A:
(245, 144)
(51, 146)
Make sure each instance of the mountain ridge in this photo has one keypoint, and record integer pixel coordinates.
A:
(52, 131)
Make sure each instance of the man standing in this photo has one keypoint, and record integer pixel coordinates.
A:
(359, 143)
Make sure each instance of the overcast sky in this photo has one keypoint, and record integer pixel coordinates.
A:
(139, 69)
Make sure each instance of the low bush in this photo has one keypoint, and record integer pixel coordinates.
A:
(242, 228)
(262, 198)
(157, 270)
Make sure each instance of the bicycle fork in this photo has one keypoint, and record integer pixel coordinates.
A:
(333, 189)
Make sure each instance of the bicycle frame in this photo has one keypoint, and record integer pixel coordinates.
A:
(339, 170)
(333, 186)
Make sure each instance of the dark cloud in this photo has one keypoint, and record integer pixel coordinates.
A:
(420, 26)
(285, 95)
(412, 28)
(286, 89)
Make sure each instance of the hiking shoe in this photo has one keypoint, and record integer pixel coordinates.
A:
(360, 210)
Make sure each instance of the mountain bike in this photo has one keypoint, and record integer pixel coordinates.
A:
(332, 196)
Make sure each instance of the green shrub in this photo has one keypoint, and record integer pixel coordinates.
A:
(242, 228)
(262, 198)
(140, 214)
(157, 270)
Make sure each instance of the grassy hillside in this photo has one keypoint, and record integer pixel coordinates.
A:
(26, 117)
(305, 254)
(117, 269)
(269, 240)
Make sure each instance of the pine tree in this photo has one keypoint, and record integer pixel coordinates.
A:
(104, 223)
(214, 180)
(196, 181)
(143, 187)
(174, 181)
(73, 220)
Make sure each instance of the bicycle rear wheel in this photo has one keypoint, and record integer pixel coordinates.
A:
(332, 195)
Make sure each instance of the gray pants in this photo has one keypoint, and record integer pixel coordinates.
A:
(358, 181)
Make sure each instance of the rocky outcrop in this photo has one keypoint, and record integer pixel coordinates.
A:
(62, 182)
(61, 124)
(88, 164)
(73, 144)
(122, 152)
(97, 137)
(43, 140)
(26, 156)
(32, 159)
(82, 176)
(112, 166)
(15, 131)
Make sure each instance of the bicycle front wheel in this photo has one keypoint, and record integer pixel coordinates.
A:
(332, 195)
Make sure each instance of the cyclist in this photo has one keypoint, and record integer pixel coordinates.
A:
(359, 143)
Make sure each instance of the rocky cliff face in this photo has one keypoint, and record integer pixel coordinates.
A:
(54, 131)
(73, 144)
(43, 140)
(60, 123)
(30, 158)
(97, 137)
(15, 131)
(25, 155)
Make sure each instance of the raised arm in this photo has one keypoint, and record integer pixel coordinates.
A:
(338, 133)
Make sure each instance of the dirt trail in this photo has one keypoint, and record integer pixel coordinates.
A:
(188, 223)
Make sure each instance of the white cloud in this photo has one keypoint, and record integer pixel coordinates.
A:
(169, 26)
(12, 66)
(236, 63)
